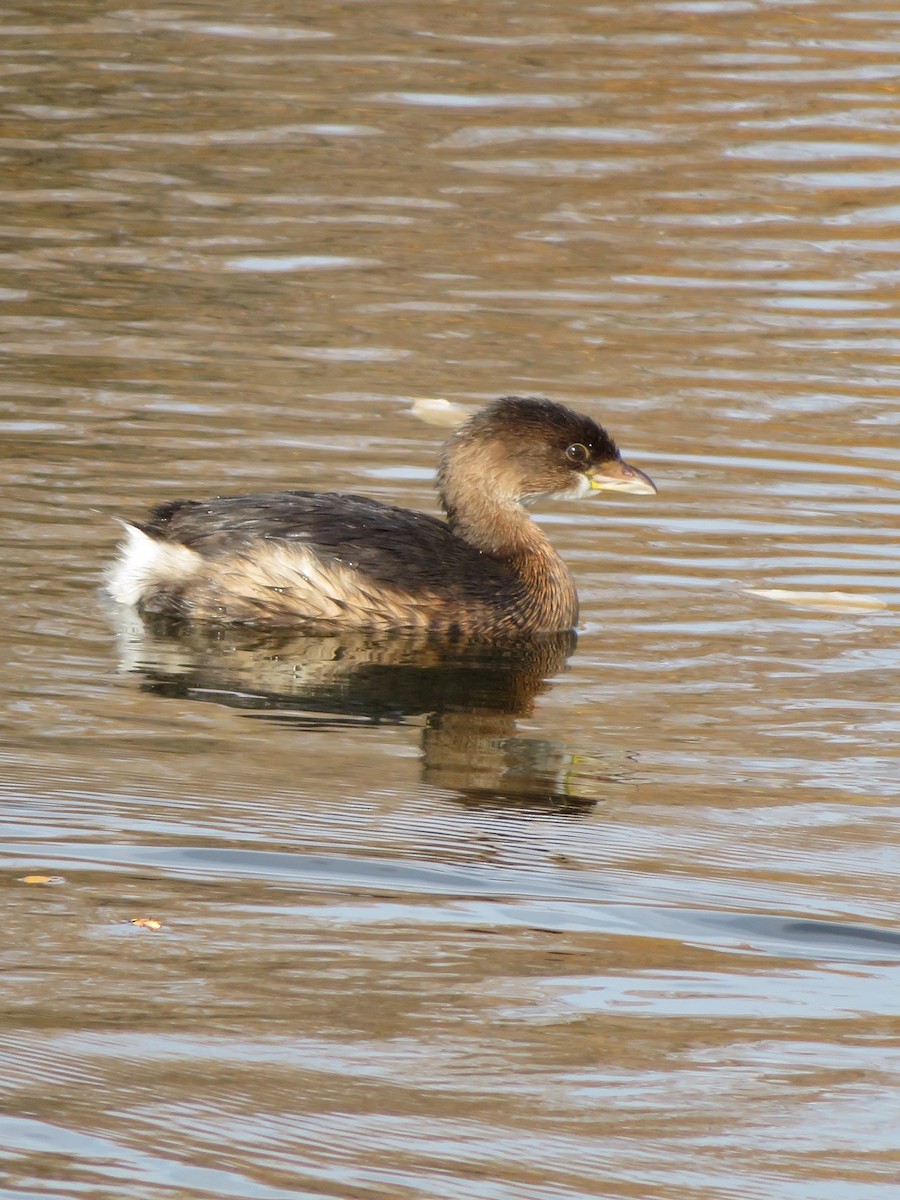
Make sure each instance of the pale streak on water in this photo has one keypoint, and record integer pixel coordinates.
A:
(455, 933)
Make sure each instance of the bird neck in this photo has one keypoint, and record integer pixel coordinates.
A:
(501, 528)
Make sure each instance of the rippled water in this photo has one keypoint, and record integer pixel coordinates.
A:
(611, 921)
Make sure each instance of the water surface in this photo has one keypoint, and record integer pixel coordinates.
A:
(617, 919)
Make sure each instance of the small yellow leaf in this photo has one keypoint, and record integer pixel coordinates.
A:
(42, 879)
(146, 923)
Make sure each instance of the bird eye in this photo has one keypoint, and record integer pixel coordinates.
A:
(577, 453)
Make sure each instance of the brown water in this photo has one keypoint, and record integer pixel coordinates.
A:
(622, 924)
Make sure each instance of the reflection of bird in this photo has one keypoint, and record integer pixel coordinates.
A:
(323, 562)
(379, 678)
(466, 699)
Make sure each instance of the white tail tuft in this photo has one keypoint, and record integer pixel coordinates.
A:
(145, 564)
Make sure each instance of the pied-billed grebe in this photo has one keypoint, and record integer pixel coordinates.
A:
(324, 562)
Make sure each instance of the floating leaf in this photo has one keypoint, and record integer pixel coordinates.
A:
(833, 601)
(42, 879)
(435, 411)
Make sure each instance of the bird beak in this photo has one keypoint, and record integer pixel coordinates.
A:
(620, 476)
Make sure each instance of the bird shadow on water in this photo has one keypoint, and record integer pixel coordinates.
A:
(467, 698)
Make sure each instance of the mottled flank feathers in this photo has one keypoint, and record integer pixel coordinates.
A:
(339, 560)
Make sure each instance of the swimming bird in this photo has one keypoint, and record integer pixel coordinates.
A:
(324, 562)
